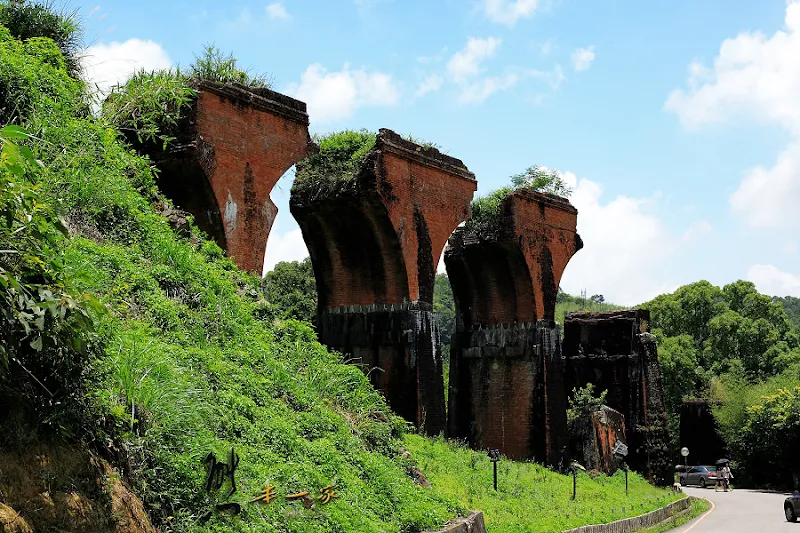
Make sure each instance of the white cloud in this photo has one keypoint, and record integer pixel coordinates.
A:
(482, 89)
(94, 10)
(465, 67)
(758, 77)
(108, 64)
(554, 78)
(277, 11)
(508, 12)
(287, 247)
(429, 84)
(629, 254)
(336, 95)
(768, 279)
(466, 63)
(582, 58)
(768, 197)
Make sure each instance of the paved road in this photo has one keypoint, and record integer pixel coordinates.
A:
(739, 511)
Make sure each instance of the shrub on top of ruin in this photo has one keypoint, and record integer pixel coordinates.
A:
(541, 179)
(150, 105)
(339, 159)
(25, 20)
(487, 210)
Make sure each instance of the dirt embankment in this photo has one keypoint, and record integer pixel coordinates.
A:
(59, 488)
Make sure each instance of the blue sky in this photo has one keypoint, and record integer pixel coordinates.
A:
(678, 123)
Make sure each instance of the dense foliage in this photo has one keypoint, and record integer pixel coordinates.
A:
(735, 345)
(291, 289)
(530, 497)
(444, 306)
(26, 20)
(792, 306)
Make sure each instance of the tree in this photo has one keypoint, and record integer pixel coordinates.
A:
(444, 306)
(291, 288)
(543, 180)
(583, 401)
(597, 298)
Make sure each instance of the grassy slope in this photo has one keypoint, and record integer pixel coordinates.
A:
(191, 364)
(531, 497)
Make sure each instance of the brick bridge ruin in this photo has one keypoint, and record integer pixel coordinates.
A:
(374, 244)
(232, 147)
(506, 380)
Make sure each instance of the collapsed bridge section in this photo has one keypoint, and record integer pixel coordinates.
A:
(374, 235)
(506, 379)
(231, 147)
(615, 352)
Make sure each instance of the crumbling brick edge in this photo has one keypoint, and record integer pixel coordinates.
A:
(627, 525)
(472, 523)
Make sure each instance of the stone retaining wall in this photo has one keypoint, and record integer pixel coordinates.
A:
(467, 524)
(637, 522)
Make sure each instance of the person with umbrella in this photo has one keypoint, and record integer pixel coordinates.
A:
(727, 475)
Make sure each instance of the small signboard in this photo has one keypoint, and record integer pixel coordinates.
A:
(620, 449)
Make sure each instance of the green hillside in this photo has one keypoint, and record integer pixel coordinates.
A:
(126, 330)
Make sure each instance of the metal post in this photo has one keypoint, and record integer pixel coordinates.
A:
(574, 482)
(494, 456)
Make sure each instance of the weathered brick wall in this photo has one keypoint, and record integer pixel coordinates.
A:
(506, 376)
(232, 149)
(374, 244)
(611, 351)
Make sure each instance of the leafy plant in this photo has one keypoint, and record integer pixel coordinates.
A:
(584, 402)
(291, 288)
(542, 179)
(45, 325)
(150, 105)
(212, 65)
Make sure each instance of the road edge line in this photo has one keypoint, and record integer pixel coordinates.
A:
(702, 517)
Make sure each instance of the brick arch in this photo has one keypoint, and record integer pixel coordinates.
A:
(356, 256)
(199, 199)
(492, 285)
